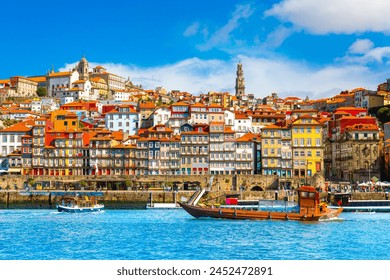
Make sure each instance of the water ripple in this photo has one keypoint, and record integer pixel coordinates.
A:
(170, 235)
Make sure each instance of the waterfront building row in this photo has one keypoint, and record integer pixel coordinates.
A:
(296, 148)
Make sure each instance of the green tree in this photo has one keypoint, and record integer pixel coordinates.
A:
(383, 114)
(9, 122)
(41, 92)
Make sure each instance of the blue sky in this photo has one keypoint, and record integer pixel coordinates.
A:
(292, 47)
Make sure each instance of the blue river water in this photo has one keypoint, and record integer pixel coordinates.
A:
(175, 235)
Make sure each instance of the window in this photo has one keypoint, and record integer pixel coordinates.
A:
(318, 153)
(309, 153)
(318, 142)
(308, 141)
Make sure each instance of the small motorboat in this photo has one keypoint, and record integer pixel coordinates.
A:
(162, 206)
(79, 204)
(345, 201)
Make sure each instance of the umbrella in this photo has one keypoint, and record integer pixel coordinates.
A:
(382, 184)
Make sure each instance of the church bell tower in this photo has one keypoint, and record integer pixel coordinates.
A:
(82, 68)
(240, 81)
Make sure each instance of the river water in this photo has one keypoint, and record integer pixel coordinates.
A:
(175, 235)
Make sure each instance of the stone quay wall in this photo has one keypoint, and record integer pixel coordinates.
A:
(116, 199)
(138, 190)
(219, 182)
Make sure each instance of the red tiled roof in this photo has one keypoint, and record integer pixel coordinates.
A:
(19, 127)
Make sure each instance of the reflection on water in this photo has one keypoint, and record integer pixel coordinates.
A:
(173, 234)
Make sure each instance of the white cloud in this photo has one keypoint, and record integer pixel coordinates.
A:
(287, 77)
(362, 51)
(191, 30)
(277, 37)
(263, 76)
(223, 34)
(334, 16)
(361, 46)
(377, 55)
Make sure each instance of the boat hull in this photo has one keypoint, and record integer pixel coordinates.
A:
(238, 214)
(97, 208)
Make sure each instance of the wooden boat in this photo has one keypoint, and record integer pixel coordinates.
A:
(308, 208)
(78, 204)
(349, 205)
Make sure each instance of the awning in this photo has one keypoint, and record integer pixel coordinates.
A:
(14, 170)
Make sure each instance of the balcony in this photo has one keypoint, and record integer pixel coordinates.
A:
(244, 160)
(244, 168)
(103, 156)
(217, 149)
(174, 158)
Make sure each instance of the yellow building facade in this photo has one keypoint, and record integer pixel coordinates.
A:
(307, 147)
(271, 146)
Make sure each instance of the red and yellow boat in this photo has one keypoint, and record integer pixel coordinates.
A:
(309, 208)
